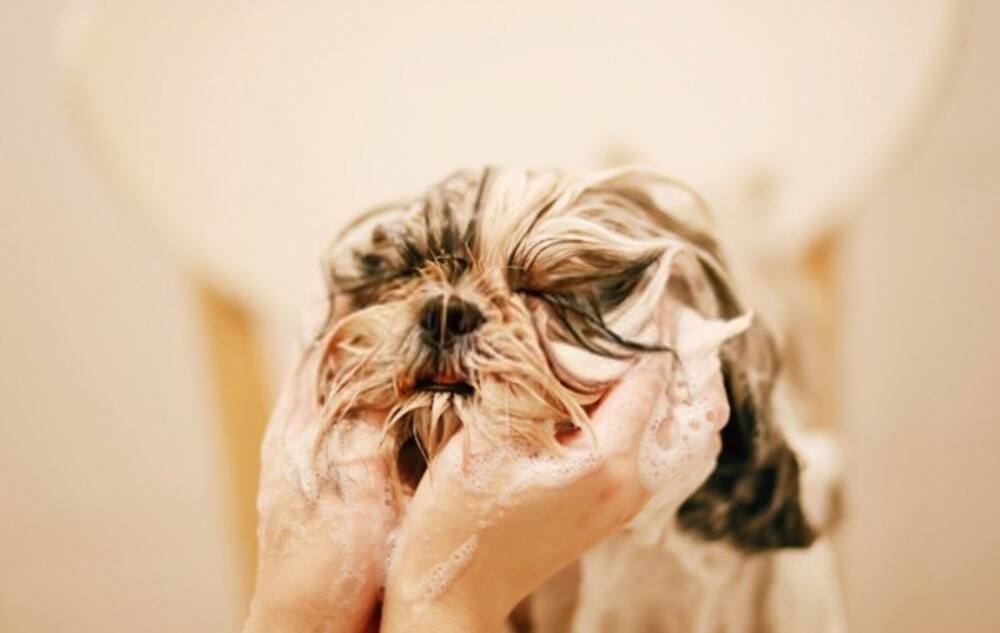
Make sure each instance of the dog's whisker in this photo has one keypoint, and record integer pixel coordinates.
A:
(550, 261)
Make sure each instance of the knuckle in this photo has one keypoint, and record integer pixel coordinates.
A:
(618, 471)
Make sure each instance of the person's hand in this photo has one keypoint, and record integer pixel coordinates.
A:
(485, 529)
(321, 553)
(488, 525)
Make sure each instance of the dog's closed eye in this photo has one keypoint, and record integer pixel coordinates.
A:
(585, 293)
(512, 301)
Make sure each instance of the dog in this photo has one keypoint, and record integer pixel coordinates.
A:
(512, 300)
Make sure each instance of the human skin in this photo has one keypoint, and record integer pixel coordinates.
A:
(322, 561)
(533, 534)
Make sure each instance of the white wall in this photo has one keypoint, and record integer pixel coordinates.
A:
(110, 488)
(922, 382)
(111, 492)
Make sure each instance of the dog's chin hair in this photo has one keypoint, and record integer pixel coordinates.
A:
(515, 396)
(542, 353)
(563, 278)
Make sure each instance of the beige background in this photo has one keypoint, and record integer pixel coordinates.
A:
(110, 475)
(112, 487)
(921, 393)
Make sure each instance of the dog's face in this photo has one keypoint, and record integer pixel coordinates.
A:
(509, 301)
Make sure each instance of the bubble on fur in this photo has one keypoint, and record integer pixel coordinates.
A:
(523, 363)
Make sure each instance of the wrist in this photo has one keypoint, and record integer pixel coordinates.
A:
(469, 605)
(286, 611)
(263, 620)
(477, 600)
(443, 617)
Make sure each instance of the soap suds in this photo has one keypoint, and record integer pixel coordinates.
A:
(679, 448)
(437, 580)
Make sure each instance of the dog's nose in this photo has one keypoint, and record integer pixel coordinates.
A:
(445, 323)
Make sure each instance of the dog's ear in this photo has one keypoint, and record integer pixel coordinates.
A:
(752, 498)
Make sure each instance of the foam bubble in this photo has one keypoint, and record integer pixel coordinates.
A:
(675, 452)
(395, 543)
(553, 470)
(437, 580)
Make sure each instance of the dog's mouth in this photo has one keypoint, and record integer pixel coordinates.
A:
(412, 460)
(444, 383)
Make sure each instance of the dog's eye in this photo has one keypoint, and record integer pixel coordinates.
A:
(602, 289)
(370, 274)
(610, 293)
(370, 263)
(459, 264)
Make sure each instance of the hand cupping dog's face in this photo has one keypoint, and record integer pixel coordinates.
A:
(504, 299)
(511, 301)
(321, 541)
(478, 331)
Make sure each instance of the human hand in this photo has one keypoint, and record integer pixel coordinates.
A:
(488, 524)
(321, 547)
(484, 529)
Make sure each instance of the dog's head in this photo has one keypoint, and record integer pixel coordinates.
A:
(509, 301)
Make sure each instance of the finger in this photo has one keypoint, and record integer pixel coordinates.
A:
(684, 454)
(297, 396)
(626, 410)
(717, 402)
(708, 410)
(361, 471)
(293, 416)
(649, 379)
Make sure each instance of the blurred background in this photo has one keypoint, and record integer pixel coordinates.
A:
(170, 171)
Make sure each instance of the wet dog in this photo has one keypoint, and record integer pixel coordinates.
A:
(510, 301)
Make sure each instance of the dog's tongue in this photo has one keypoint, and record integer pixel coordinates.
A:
(446, 378)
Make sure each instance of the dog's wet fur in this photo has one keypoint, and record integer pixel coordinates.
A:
(448, 304)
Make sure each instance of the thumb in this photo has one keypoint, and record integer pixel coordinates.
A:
(626, 409)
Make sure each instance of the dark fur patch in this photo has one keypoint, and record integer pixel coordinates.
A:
(752, 497)
(579, 302)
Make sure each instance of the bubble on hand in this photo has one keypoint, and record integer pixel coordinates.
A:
(437, 580)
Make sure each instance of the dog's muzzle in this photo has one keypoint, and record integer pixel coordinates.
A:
(443, 324)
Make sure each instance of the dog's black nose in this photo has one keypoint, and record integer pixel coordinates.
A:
(445, 323)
